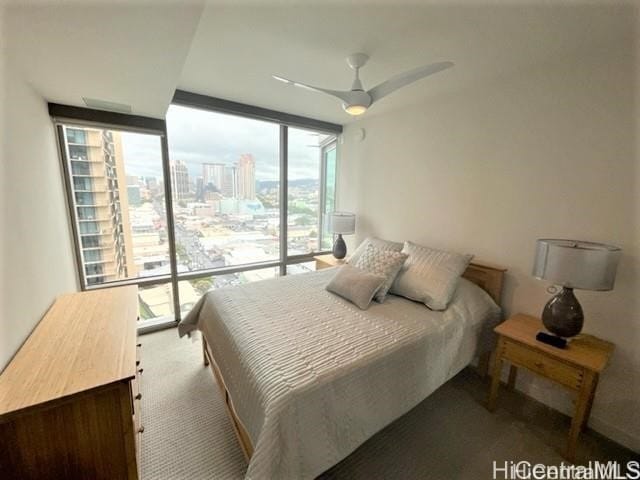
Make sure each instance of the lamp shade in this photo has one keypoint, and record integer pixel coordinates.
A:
(343, 223)
(576, 264)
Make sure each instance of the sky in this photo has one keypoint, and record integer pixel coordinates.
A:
(199, 136)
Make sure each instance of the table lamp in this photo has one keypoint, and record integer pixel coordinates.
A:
(342, 223)
(572, 264)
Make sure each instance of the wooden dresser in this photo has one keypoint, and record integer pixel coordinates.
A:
(70, 399)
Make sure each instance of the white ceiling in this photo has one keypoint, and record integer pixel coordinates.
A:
(236, 49)
(123, 53)
(139, 55)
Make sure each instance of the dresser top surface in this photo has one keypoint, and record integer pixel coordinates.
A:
(85, 340)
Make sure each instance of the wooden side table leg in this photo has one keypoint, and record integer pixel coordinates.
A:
(204, 352)
(513, 375)
(483, 364)
(495, 376)
(583, 409)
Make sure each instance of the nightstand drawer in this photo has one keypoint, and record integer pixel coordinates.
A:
(544, 365)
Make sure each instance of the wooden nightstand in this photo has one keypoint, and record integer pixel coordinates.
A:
(577, 367)
(326, 261)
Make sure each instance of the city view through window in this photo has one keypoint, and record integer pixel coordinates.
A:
(225, 183)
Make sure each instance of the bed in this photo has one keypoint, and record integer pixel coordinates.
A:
(307, 377)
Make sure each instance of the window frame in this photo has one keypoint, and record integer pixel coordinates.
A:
(325, 147)
(63, 115)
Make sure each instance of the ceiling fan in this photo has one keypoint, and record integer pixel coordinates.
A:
(356, 101)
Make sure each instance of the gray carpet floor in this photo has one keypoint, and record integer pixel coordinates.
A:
(448, 436)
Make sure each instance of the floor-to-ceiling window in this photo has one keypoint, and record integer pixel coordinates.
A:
(227, 196)
(197, 203)
(120, 218)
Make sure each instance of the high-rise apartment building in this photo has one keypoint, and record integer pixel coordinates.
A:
(229, 188)
(179, 179)
(221, 177)
(212, 174)
(97, 173)
(246, 177)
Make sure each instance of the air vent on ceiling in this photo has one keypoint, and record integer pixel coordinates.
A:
(105, 105)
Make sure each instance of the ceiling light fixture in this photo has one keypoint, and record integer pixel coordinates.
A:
(354, 109)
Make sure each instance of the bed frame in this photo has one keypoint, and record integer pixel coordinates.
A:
(486, 276)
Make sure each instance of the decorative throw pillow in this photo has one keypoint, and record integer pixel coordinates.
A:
(381, 262)
(376, 242)
(355, 285)
(429, 276)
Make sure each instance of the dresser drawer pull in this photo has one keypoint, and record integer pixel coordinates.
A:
(138, 396)
(139, 345)
(140, 370)
(141, 429)
(137, 362)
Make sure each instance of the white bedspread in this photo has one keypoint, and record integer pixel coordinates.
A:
(312, 376)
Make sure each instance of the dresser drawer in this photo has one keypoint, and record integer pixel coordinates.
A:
(544, 365)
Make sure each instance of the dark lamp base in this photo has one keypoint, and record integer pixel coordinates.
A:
(562, 315)
(339, 248)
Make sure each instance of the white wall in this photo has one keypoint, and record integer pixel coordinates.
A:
(549, 152)
(36, 260)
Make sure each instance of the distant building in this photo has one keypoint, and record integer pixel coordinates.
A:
(220, 177)
(133, 192)
(152, 182)
(133, 180)
(200, 189)
(235, 206)
(246, 177)
(179, 179)
(212, 174)
(229, 189)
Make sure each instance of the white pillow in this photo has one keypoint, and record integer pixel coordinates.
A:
(385, 263)
(376, 242)
(355, 285)
(429, 276)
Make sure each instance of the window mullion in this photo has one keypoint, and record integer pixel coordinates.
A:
(284, 196)
(322, 195)
(171, 234)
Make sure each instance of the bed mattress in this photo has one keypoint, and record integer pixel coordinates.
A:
(312, 376)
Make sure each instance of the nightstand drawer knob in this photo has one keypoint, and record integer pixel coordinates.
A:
(138, 396)
(140, 371)
(141, 429)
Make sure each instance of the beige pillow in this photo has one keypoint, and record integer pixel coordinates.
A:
(355, 285)
(376, 242)
(429, 276)
(381, 262)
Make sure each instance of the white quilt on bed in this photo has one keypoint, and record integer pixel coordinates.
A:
(312, 376)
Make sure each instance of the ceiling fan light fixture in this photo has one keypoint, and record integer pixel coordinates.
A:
(354, 109)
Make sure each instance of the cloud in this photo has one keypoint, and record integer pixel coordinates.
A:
(200, 136)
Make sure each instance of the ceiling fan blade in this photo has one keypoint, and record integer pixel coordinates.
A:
(399, 81)
(344, 96)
